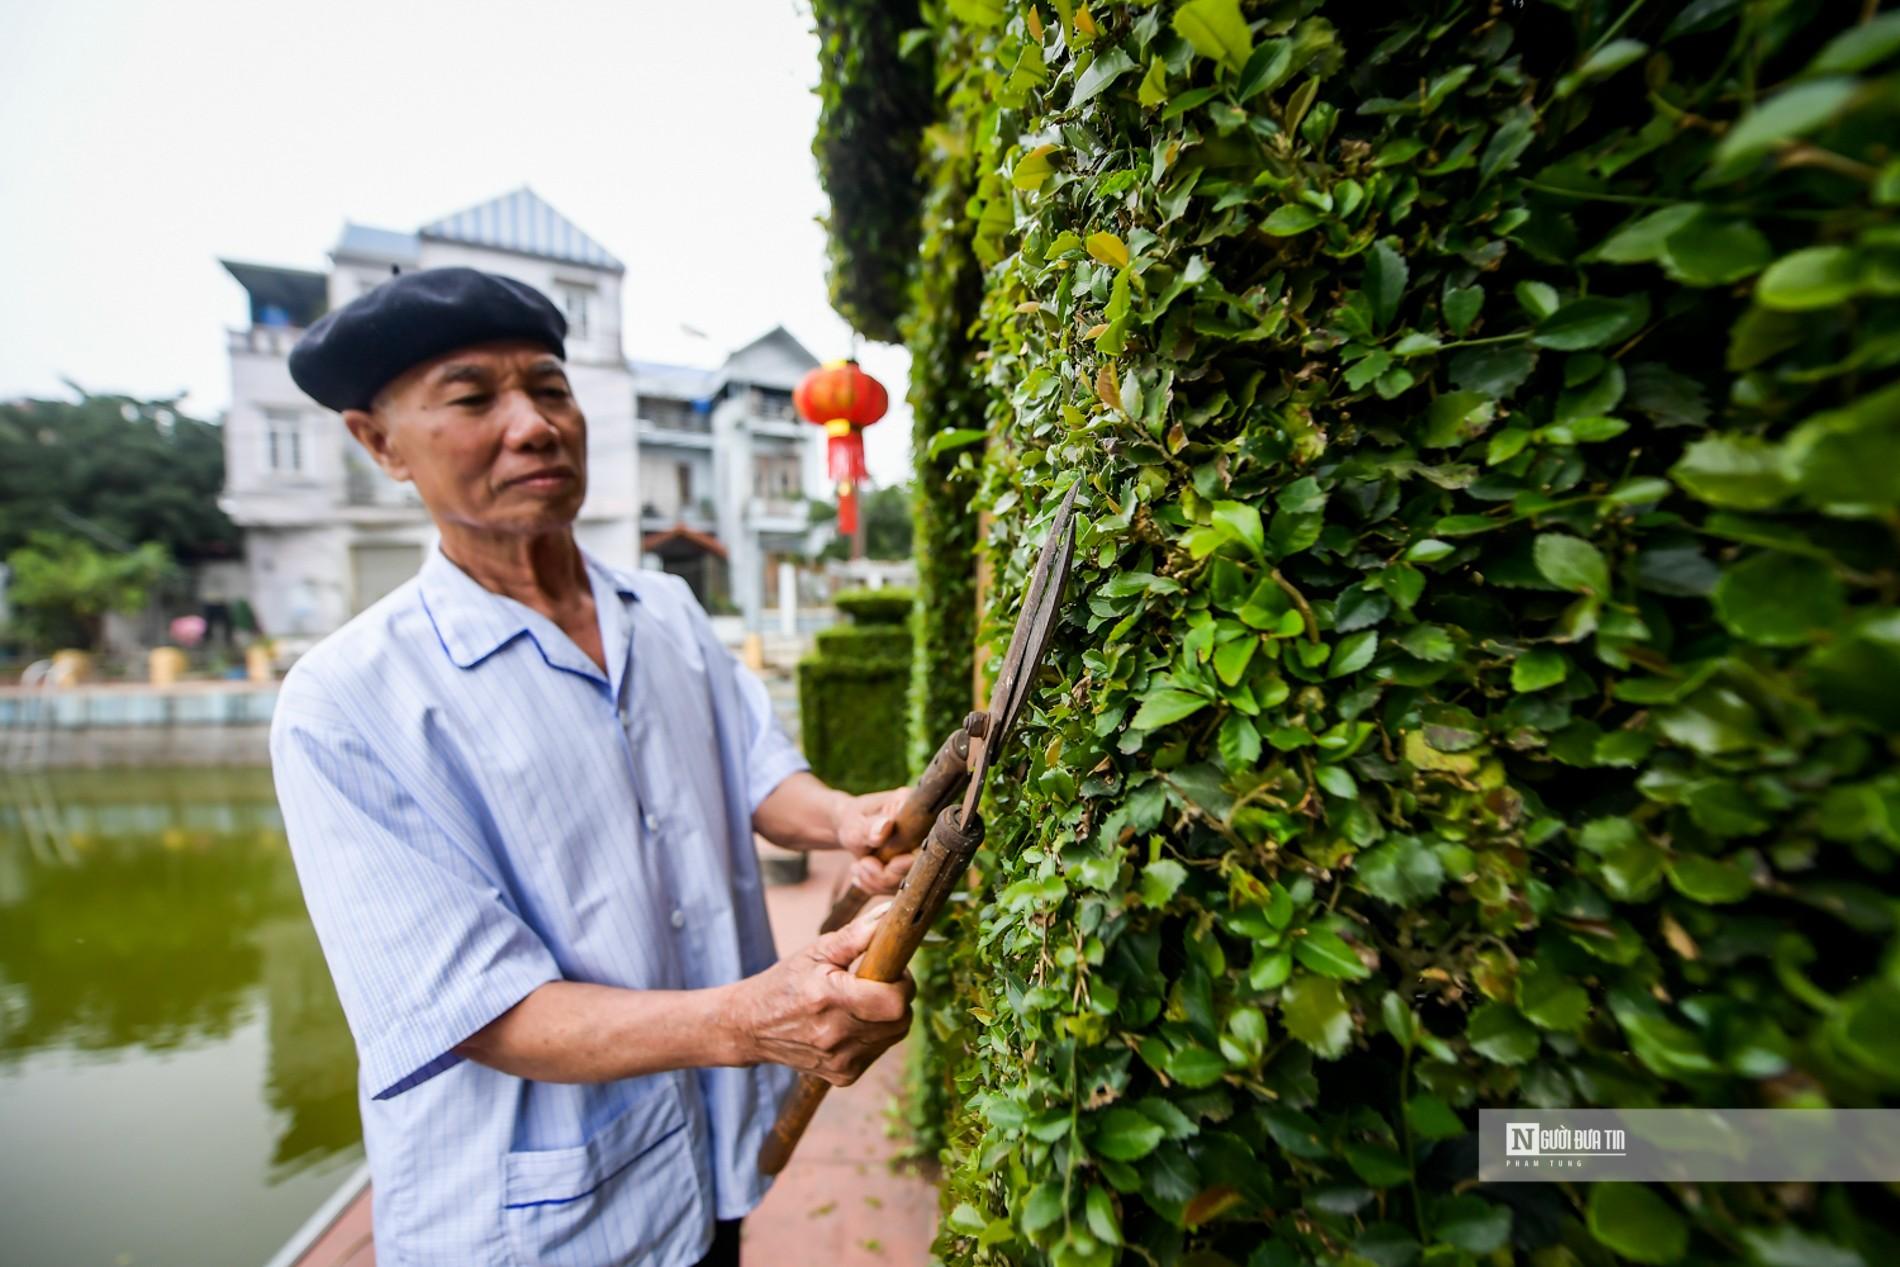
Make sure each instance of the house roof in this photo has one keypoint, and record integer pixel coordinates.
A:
(523, 223)
(774, 359)
(390, 246)
(677, 382)
(280, 296)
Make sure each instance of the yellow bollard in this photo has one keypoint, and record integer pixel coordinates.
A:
(70, 667)
(257, 662)
(753, 652)
(165, 665)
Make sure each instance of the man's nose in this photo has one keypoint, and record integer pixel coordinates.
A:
(526, 427)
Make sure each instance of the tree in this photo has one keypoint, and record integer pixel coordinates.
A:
(1480, 677)
(114, 467)
(885, 513)
(62, 587)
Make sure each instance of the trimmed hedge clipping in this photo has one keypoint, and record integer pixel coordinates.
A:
(1482, 673)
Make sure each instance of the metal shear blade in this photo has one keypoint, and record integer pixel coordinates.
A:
(1028, 643)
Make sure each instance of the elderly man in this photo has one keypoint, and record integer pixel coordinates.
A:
(520, 793)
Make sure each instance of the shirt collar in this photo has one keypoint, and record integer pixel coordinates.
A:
(473, 623)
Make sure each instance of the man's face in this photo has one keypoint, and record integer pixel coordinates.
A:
(491, 436)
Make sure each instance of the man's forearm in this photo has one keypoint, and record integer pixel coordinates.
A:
(801, 813)
(571, 1031)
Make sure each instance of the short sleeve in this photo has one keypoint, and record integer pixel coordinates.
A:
(770, 755)
(422, 945)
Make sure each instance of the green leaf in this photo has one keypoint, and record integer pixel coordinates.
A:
(1642, 239)
(1266, 69)
(1735, 472)
(1043, 1208)
(1537, 669)
(1195, 1066)
(1847, 456)
(1779, 600)
(1603, 63)
(955, 438)
(1861, 45)
(1160, 880)
(1460, 305)
(1240, 521)
(1353, 653)
(1636, 1223)
(1269, 971)
(1154, 84)
(1498, 1032)
(1818, 277)
(1102, 1219)
(1706, 254)
(1788, 115)
(1384, 282)
(1456, 417)
(1432, 1118)
(1314, 1012)
(1709, 880)
(1496, 372)
(1590, 322)
(1472, 1224)
(1402, 871)
(1571, 563)
(1124, 1134)
(1324, 952)
(979, 13)
(1539, 299)
(1033, 168)
(1216, 30)
(1789, 1246)
(1103, 71)
(1549, 999)
(1379, 1166)
(1166, 706)
(1292, 218)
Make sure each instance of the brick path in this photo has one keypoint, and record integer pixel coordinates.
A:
(839, 1203)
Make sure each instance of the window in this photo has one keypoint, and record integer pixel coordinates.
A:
(283, 440)
(672, 414)
(576, 302)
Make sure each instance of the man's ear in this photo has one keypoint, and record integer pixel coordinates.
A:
(374, 437)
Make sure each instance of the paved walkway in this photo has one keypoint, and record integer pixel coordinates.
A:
(839, 1203)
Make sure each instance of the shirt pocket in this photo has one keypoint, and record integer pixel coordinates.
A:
(623, 1196)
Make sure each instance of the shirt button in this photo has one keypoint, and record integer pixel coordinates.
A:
(626, 718)
(652, 822)
(679, 919)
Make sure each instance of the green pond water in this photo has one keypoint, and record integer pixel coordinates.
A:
(177, 1085)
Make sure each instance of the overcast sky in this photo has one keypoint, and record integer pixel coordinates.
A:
(142, 142)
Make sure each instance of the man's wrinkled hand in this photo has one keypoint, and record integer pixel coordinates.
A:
(864, 824)
(809, 1013)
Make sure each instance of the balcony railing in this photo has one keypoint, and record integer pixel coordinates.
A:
(262, 340)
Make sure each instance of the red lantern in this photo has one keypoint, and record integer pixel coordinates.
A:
(844, 400)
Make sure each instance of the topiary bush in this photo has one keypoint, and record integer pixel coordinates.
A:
(891, 605)
(1483, 666)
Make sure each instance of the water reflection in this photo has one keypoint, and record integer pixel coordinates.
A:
(150, 922)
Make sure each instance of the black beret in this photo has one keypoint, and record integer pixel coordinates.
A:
(356, 351)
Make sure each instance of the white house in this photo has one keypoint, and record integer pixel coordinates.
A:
(326, 533)
(725, 467)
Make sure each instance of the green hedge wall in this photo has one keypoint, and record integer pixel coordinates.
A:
(1483, 668)
(852, 693)
(873, 103)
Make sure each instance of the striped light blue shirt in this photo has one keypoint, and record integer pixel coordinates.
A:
(474, 809)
